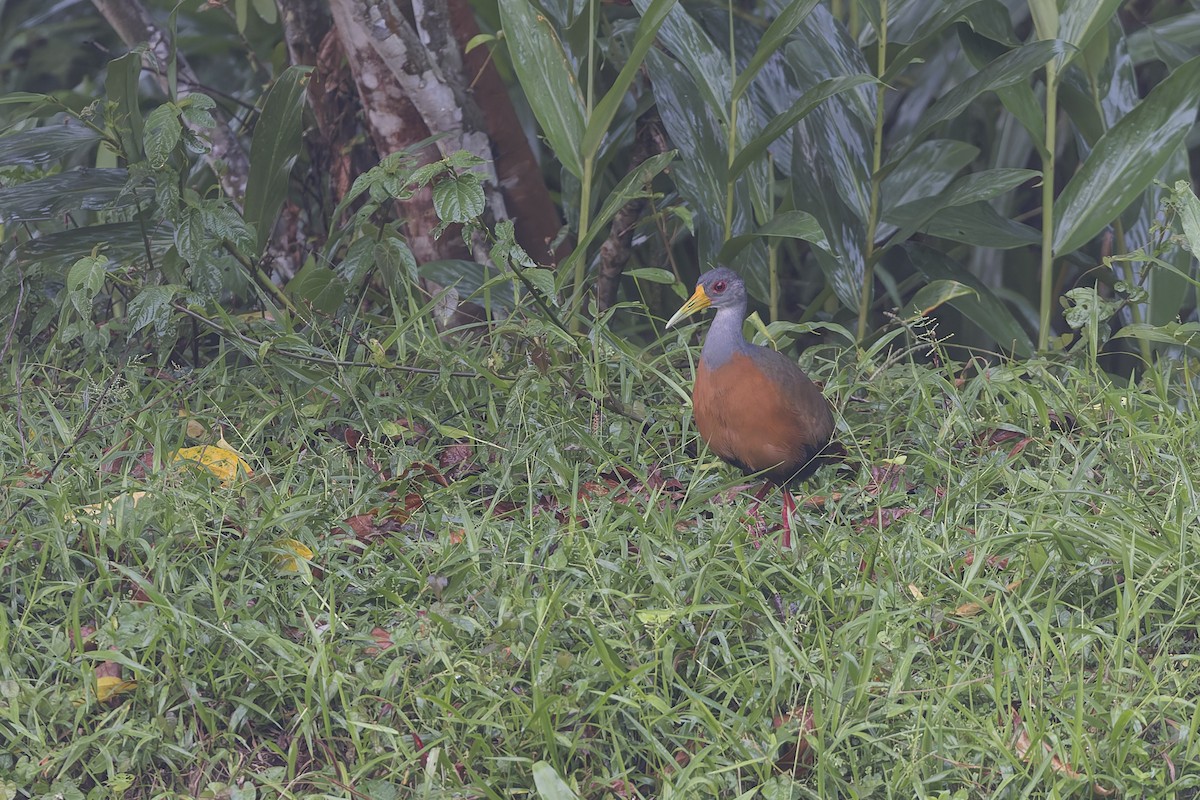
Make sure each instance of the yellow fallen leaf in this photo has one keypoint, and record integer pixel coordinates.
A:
(224, 462)
(915, 592)
(96, 509)
(293, 552)
(108, 687)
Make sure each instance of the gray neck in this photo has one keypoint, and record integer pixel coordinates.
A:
(724, 336)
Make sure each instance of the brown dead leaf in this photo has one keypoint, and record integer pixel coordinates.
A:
(423, 469)
(1018, 447)
(458, 460)
(383, 641)
(887, 477)
(971, 609)
(1022, 745)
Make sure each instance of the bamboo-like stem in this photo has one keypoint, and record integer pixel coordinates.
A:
(1047, 260)
(585, 181)
(864, 300)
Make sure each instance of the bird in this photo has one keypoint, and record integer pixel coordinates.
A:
(754, 406)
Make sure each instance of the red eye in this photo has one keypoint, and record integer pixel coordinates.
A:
(718, 287)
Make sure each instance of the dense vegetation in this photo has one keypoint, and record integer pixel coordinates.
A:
(343, 452)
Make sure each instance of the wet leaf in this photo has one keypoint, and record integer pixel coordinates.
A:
(46, 144)
(83, 189)
(548, 79)
(772, 39)
(934, 294)
(273, 150)
(1011, 68)
(982, 308)
(604, 111)
(1126, 159)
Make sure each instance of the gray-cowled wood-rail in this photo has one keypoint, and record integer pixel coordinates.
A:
(754, 406)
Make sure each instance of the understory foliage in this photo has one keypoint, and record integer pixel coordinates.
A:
(301, 497)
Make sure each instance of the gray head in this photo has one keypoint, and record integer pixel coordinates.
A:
(720, 288)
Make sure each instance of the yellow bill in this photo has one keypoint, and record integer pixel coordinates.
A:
(697, 302)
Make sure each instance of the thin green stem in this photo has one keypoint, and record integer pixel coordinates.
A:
(731, 132)
(1047, 261)
(585, 188)
(864, 300)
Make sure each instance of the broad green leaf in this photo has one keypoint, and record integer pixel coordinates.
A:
(1185, 334)
(547, 78)
(152, 306)
(705, 62)
(981, 307)
(1045, 18)
(652, 274)
(85, 279)
(832, 146)
(396, 263)
(196, 108)
(458, 198)
(123, 242)
(784, 122)
(358, 261)
(934, 294)
(968, 189)
(18, 98)
(1080, 20)
(83, 189)
(161, 134)
(273, 151)
(980, 225)
(549, 785)
(925, 171)
(1018, 98)
(221, 219)
(987, 184)
(318, 286)
(1011, 68)
(774, 37)
(266, 10)
(606, 109)
(631, 186)
(1126, 159)
(919, 27)
(788, 225)
(1171, 40)
(121, 86)
(45, 144)
(700, 174)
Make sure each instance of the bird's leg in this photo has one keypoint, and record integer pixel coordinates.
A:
(789, 507)
(758, 526)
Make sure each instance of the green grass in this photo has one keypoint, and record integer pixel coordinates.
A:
(629, 635)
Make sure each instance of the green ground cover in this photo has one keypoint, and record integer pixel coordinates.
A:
(441, 586)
